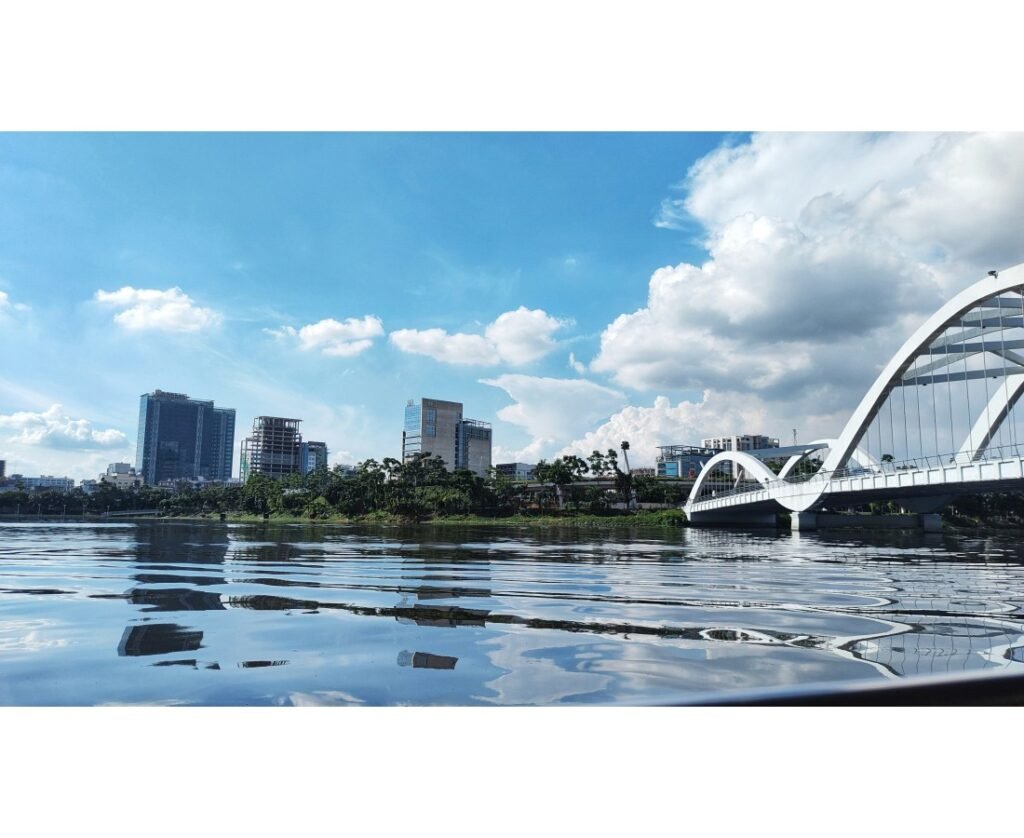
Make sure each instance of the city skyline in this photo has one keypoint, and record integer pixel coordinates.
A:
(572, 290)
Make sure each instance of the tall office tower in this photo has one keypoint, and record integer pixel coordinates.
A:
(183, 439)
(312, 455)
(436, 427)
(3, 469)
(274, 449)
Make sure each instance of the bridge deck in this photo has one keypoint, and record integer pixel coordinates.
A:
(865, 486)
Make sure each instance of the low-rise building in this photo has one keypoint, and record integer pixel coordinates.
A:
(514, 471)
(122, 475)
(741, 442)
(45, 482)
(683, 461)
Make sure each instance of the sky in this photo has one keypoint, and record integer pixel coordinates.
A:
(573, 289)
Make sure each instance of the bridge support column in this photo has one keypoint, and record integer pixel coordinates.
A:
(931, 522)
(804, 521)
(728, 518)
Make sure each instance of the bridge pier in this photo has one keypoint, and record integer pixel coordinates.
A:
(730, 518)
(803, 521)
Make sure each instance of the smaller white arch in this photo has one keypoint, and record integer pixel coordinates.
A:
(750, 464)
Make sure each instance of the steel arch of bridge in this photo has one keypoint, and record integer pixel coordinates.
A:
(980, 312)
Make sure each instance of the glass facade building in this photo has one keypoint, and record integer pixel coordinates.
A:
(183, 439)
(312, 455)
(683, 461)
(436, 427)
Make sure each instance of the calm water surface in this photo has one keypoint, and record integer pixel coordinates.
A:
(215, 614)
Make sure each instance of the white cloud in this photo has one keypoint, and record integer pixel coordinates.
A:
(825, 251)
(576, 365)
(646, 428)
(344, 339)
(441, 346)
(552, 409)
(515, 337)
(53, 428)
(171, 310)
(6, 306)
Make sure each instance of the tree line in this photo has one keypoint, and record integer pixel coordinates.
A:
(417, 489)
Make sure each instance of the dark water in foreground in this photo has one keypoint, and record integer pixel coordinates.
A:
(181, 613)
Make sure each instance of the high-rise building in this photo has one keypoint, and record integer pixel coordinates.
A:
(436, 427)
(312, 455)
(274, 449)
(3, 469)
(183, 439)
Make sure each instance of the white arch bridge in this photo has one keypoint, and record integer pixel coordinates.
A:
(938, 422)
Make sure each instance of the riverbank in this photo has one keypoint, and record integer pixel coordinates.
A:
(662, 518)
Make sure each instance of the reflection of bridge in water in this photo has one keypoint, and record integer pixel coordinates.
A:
(937, 422)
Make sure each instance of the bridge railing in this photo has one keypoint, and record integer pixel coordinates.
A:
(989, 454)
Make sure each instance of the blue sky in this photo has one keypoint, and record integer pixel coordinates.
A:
(573, 289)
(422, 231)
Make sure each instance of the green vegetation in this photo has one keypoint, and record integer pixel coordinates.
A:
(418, 490)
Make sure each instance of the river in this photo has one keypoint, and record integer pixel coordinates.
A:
(173, 612)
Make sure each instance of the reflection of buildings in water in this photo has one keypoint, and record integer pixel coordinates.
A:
(180, 541)
(437, 580)
(425, 660)
(161, 549)
(270, 552)
(175, 599)
(441, 617)
(423, 592)
(158, 639)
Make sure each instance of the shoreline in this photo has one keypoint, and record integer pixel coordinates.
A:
(662, 519)
(671, 519)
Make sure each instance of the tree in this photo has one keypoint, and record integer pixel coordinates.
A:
(598, 464)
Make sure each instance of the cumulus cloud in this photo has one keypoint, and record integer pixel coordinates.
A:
(6, 306)
(515, 337)
(576, 365)
(143, 309)
(551, 409)
(55, 429)
(646, 428)
(825, 251)
(344, 339)
(441, 346)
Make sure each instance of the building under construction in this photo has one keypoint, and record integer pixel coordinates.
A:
(274, 449)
